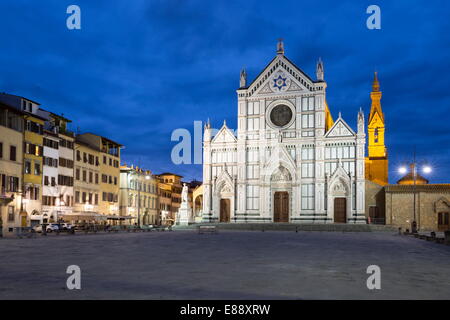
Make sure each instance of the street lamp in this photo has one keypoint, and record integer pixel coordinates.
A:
(413, 169)
(426, 169)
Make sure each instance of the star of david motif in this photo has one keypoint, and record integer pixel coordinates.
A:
(279, 82)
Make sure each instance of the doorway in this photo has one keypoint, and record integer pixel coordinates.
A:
(443, 221)
(340, 210)
(23, 221)
(224, 210)
(281, 207)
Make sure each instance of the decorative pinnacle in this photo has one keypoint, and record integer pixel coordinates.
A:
(280, 46)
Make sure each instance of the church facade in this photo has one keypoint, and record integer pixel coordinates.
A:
(288, 161)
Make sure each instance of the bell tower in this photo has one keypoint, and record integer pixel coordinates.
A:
(377, 160)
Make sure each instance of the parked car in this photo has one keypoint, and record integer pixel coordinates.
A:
(66, 226)
(52, 227)
(48, 227)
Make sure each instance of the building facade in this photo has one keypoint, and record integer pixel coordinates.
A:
(431, 202)
(106, 160)
(11, 169)
(87, 178)
(66, 164)
(33, 162)
(58, 168)
(138, 195)
(289, 161)
(169, 187)
(50, 188)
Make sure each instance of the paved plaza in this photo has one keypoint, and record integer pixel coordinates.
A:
(228, 265)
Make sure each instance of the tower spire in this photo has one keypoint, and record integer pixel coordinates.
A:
(280, 46)
(377, 160)
(375, 84)
(375, 96)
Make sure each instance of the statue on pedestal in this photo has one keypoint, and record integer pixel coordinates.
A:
(185, 212)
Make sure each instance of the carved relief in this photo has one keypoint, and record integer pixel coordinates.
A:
(281, 175)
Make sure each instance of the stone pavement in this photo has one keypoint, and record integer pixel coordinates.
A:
(229, 265)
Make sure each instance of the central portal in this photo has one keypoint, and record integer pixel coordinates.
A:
(224, 210)
(281, 207)
(340, 210)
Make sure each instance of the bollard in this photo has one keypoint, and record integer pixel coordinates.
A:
(400, 230)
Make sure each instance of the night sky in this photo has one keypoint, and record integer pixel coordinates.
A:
(139, 69)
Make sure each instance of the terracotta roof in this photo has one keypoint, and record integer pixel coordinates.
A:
(409, 179)
(445, 187)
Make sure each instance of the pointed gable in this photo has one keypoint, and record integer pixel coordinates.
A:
(224, 135)
(279, 158)
(340, 129)
(280, 75)
(376, 120)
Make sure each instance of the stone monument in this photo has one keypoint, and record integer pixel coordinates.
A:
(185, 212)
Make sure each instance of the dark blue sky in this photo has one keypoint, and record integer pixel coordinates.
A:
(139, 69)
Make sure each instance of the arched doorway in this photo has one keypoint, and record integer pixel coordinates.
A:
(442, 208)
(198, 206)
(281, 185)
(340, 201)
(223, 199)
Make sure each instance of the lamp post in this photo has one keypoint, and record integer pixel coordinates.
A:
(413, 169)
(139, 186)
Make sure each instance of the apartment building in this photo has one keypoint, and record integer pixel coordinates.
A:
(138, 195)
(33, 136)
(58, 167)
(86, 179)
(108, 153)
(170, 188)
(66, 164)
(11, 169)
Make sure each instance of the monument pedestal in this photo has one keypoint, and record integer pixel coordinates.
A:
(184, 214)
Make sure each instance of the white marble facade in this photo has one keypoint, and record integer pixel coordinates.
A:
(282, 145)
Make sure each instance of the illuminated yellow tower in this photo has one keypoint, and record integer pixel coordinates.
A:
(377, 160)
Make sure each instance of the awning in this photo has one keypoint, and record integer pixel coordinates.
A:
(120, 217)
(82, 215)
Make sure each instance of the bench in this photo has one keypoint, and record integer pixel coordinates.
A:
(207, 229)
